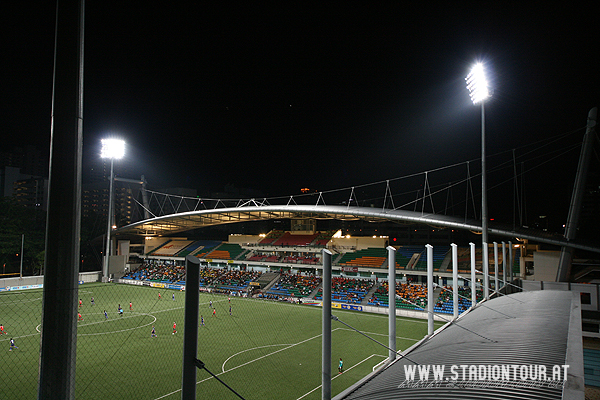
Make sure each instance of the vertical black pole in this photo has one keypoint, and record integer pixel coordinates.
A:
(190, 329)
(58, 341)
(326, 328)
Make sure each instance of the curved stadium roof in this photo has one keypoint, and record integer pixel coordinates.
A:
(186, 221)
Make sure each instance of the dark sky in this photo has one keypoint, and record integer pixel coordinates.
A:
(311, 94)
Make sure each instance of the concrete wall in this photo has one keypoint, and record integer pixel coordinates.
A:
(116, 265)
(358, 243)
(545, 265)
(589, 298)
(85, 277)
(244, 239)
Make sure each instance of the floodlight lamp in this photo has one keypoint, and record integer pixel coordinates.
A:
(477, 84)
(112, 148)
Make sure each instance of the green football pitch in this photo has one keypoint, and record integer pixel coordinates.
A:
(263, 350)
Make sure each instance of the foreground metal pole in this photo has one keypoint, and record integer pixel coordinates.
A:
(510, 261)
(455, 279)
(473, 278)
(429, 289)
(504, 275)
(392, 302)
(58, 339)
(190, 328)
(496, 266)
(326, 328)
(566, 253)
(486, 271)
(484, 206)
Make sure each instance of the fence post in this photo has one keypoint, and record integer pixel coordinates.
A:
(190, 328)
(429, 289)
(392, 302)
(454, 280)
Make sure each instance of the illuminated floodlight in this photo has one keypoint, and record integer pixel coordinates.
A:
(112, 148)
(477, 84)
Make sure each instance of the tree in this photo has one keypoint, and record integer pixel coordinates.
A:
(17, 220)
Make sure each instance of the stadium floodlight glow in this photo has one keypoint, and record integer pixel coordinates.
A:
(113, 149)
(477, 84)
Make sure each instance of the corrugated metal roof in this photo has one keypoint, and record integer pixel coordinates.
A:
(535, 334)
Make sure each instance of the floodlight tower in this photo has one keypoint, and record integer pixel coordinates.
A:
(112, 149)
(478, 90)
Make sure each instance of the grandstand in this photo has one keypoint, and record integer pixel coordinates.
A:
(287, 266)
(271, 237)
(293, 253)
(290, 239)
(348, 290)
(171, 248)
(445, 301)
(408, 296)
(226, 251)
(294, 285)
(370, 257)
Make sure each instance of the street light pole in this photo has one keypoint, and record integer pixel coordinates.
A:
(109, 222)
(484, 208)
(112, 149)
(478, 90)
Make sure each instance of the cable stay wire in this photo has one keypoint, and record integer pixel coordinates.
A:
(504, 282)
(477, 305)
(429, 190)
(333, 317)
(447, 320)
(495, 291)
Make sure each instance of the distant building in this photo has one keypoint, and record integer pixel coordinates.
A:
(32, 192)
(29, 160)
(95, 201)
(24, 169)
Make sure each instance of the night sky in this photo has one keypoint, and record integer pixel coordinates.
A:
(315, 95)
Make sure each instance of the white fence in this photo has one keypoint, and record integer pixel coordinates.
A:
(36, 282)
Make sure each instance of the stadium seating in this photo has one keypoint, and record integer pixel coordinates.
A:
(171, 248)
(226, 251)
(405, 253)
(158, 273)
(409, 296)
(295, 285)
(348, 290)
(235, 280)
(158, 247)
(206, 246)
(445, 302)
(271, 237)
(373, 257)
(289, 239)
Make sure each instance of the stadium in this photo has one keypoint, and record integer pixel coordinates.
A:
(297, 303)
(261, 304)
(360, 263)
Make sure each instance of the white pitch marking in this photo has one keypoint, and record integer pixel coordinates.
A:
(372, 355)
